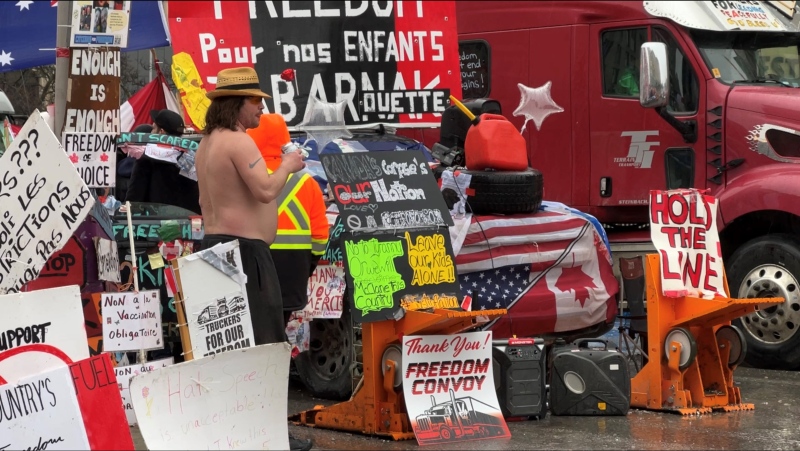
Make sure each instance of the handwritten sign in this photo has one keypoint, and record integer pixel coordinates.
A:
(94, 156)
(387, 273)
(683, 227)
(474, 61)
(93, 97)
(124, 375)
(325, 292)
(385, 190)
(744, 16)
(237, 399)
(333, 249)
(44, 317)
(107, 259)
(100, 23)
(391, 61)
(179, 142)
(132, 321)
(448, 384)
(69, 407)
(42, 202)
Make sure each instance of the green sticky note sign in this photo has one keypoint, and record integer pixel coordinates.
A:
(169, 230)
(375, 278)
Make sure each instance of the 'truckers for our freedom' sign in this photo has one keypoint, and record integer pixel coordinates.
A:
(683, 227)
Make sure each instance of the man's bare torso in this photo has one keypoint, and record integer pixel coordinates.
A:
(228, 205)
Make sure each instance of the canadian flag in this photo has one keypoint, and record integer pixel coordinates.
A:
(153, 96)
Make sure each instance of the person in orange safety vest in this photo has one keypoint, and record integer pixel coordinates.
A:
(302, 224)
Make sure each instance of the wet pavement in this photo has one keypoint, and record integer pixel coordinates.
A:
(774, 424)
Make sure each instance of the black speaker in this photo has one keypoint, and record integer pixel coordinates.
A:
(519, 376)
(454, 124)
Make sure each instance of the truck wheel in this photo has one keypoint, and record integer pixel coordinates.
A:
(769, 267)
(325, 368)
(446, 434)
(505, 191)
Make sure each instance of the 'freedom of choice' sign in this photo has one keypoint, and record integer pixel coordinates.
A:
(683, 227)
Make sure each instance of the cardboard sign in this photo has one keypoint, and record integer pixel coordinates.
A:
(388, 273)
(232, 400)
(132, 321)
(124, 375)
(215, 300)
(107, 259)
(51, 317)
(94, 156)
(100, 23)
(683, 227)
(385, 190)
(325, 292)
(69, 407)
(448, 384)
(93, 95)
(388, 61)
(744, 16)
(42, 202)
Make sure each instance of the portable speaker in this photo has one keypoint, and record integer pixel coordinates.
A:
(519, 376)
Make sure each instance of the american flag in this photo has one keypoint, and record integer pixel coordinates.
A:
(551, 270)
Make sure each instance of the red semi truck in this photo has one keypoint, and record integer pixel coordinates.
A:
(730, 123)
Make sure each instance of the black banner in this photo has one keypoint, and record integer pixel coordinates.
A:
(389, 273)
(385, 190)
(155, 138)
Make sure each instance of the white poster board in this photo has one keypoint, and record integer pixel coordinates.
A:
(36, 178)
(131, 321)
(325, 292)
(215, 300)
(107, 259)
(683, 227)
(100, 23)
(448, 384)
(124, 375)
(47, 414)
(94, 156)
(52, 317)
(236, 397)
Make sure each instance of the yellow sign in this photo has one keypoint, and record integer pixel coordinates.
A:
(190, 85)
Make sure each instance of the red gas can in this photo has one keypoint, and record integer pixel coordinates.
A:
(494, 143)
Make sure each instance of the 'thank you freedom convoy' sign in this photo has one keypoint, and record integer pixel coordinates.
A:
(42, 202)
(385, 190)
(388, 60)
(388, 273)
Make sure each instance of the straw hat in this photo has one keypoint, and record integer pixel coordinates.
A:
(240, 81)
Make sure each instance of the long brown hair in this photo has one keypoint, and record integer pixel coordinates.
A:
(223, 113)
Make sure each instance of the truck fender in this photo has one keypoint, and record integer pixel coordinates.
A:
(760, 189)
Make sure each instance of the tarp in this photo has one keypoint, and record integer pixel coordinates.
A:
(28, 32)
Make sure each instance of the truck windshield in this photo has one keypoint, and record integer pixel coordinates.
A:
(751, 56)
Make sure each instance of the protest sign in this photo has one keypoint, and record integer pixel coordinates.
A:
(448, 384)
(389, 61)
(107, 259)
(93, 94)
(212, 287)
(735, 15)
(52, 317)
(100, 23)
(124, 375)
(683, 227)
(94, 156)
(237, 399)
(385, 190)
(132, 321)
(42, 202)
(325, 292)
(69, 407)
(388, 273)
(185, 144)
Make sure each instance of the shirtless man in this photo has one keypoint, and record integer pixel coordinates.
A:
(237, 194)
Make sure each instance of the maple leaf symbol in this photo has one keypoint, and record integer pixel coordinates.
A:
(74, 157)
(103, 158)
(574, 279)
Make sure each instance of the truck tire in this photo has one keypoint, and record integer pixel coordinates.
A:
(325, 368)
(505, 192)
(769, 266)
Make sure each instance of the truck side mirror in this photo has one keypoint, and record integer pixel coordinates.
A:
(654, 75)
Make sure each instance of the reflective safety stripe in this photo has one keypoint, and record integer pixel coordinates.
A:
(289, 190)
(318, 248)
(283, 241)
(295, 212)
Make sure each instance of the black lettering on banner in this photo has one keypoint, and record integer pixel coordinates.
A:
(19, 336)
(92, 373)
(25, 399)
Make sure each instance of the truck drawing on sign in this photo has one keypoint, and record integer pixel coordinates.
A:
(224, 307)
(458, 418)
